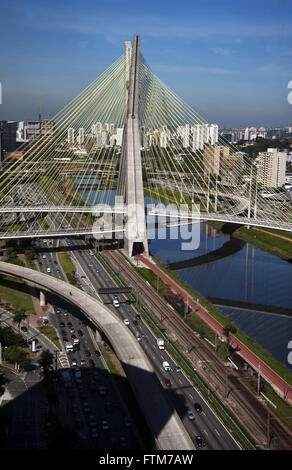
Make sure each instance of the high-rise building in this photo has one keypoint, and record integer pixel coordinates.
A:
(213, 134)
(81, 136)
(271, 168)
(7, 137)
(211, 159)
(71, 137)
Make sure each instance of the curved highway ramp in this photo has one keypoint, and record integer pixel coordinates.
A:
(166, 426)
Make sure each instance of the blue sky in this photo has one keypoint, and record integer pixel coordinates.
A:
(230, 60)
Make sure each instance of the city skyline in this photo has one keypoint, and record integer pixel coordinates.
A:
(230, 67)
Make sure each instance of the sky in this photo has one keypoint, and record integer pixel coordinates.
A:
(230, 60)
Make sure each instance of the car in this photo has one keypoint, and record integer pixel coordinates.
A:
(44, 256)
(200, 441)
(126, 321)
(80, 332)
(139, 337)
(97, 353)
(92, 421)
(123, 441)
(167, 382)
(177, 368)
(62, 324)
(128, 423)
(65, 338)
(58, 310)
(72, 330)
(93, 433)
(65, 313)
(74, 363)
(190, 415)
(48, 270)
(138, 317)
(87, 353)
(135, 322)
(86, 407)
(198, 407)
(102, 390)
(82, 362)
(104, 425)
(69, 323)
(23, 328)
(97, 270)
(58, 270)
(116, 303)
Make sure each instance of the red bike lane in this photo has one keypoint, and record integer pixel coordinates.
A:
(251, 358)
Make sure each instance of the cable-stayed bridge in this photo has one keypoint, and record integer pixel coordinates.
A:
(127, 135)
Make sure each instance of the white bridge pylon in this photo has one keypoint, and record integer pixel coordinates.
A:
(130, 183)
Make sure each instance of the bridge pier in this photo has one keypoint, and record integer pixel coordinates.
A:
(42, 298)
(130, 184)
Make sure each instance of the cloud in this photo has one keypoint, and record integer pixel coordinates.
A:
(190, 69)
(220, 51)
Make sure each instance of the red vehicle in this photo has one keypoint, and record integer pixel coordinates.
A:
(168, 383)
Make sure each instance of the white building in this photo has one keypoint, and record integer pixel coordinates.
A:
(71, 137)
(81, 136)
(213, 134)
(271, 168)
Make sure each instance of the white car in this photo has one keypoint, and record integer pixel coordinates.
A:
(126, 321)
(48, 270)
(116, 303)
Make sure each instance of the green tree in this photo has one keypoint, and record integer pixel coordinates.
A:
(46, 362)
(230, 328)
(19, 317)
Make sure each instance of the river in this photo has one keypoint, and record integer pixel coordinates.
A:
(249, 275)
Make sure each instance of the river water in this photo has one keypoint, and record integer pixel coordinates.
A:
(249, 275)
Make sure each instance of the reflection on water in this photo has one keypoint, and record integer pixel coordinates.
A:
(249, 275)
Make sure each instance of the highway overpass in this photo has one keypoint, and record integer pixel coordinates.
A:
(164, 423)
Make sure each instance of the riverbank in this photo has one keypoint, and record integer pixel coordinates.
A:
(275, 242)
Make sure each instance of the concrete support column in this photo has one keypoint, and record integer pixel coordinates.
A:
(42, 299)
(98, 337)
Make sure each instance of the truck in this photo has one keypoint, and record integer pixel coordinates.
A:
(166, 366)
(69, 347)
(160, 343)
(76, 343)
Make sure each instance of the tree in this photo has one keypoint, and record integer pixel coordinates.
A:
(19, 316)
(18, 356)
(230, 328)
(46, 362)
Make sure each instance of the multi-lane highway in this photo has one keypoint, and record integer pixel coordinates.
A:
(182, 394)
(93, 405)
